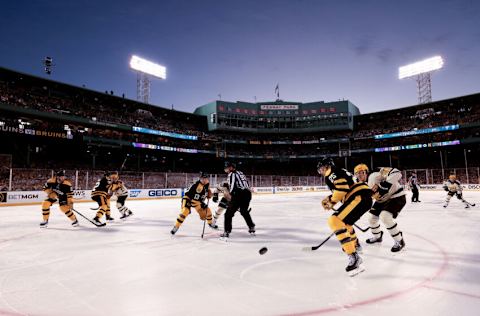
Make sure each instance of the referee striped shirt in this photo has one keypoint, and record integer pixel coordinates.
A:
(237, 181)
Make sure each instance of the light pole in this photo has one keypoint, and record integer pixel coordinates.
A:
(145, 69)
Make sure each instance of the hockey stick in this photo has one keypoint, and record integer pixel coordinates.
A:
(362, 229)
(205, 220)
(98, 225)
(470, 204)
(124, 161)
(121, 168)
(312, 248)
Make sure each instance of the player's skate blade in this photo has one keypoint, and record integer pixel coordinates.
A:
(356, 271)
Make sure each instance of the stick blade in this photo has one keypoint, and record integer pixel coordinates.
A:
(307, 249)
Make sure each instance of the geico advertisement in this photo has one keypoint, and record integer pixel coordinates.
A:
(155, 193)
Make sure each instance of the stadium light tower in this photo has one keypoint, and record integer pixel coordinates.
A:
(145, 69)
(422, 71)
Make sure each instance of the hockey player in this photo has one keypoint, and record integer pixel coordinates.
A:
(240, 199)
(356, 199)
(101, 196)
(118, 189)
(389, 201)
(223, 189)
(195, 197)
(414, 187)
(58, 187)
(454, 187)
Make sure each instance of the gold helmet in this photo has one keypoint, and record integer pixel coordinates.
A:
(360, 167)
(452, 177)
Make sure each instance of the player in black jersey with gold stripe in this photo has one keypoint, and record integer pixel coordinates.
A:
(100, 194)
(58, 187)
(356, 199)
(195, 197)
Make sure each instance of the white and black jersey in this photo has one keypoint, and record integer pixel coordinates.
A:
(237, 182)
(388, 182)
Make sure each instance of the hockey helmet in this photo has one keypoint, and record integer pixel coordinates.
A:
(229, 164)
(60, 173)
(204, 175)
(360, 167)
(325, 162)
(112, 175)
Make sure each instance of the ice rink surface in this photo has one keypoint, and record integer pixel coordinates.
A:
(136, 268)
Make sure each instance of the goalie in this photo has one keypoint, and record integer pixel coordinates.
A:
(454, 187)
(356, 199)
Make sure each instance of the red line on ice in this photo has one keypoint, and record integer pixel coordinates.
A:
(373, 300)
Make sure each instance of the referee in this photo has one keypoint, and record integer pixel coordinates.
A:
(241, 197)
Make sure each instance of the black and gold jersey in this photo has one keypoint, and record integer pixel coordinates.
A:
(101, 187)
(198, 192)
(343, 184)
(62, 190)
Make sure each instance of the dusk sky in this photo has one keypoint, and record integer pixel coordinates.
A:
(316, 50)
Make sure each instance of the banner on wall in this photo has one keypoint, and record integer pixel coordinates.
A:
(32, 197)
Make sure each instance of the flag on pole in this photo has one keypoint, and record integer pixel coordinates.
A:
(277, 91)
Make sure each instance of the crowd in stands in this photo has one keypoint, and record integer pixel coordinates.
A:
(463, 110)
(34, 179)
(66, 100)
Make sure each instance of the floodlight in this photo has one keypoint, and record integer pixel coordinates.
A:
(427, 65)
(148, 67)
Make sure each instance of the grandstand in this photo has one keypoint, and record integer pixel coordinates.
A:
(47, 125)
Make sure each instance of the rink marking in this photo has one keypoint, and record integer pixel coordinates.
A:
(452, 291)
(422, 284)
(17, 237)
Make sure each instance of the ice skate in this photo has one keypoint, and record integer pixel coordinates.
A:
(174, 230)
(109, 218)
(75, 223)
(97, 221)
(213, 226)
(374, 240)
(354, 264)
(399, 245)
(224, 236)
(251, 231)
(44, 224)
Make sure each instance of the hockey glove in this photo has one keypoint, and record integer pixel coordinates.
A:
(203, 205)
(215, 197)
(327, 203)
(62, 202)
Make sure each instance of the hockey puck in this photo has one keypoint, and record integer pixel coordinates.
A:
(263, 250)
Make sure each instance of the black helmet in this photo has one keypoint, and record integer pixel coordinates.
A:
(60, 173)
(204, 175)
(325, 162)
(229, 164)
